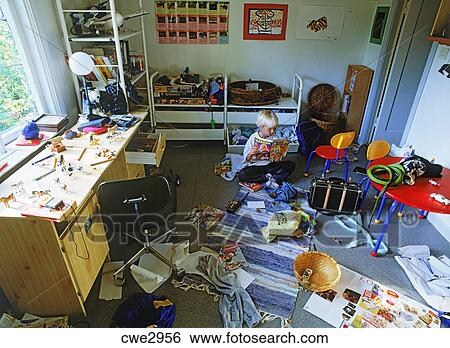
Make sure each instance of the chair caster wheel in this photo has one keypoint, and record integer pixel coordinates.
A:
(305, 174)
(374, 253)
(376, 221)
(399, 214)
(327, 171)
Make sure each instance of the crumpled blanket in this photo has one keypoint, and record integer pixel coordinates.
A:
(235, 304)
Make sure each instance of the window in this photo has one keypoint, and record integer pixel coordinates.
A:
(16, 100)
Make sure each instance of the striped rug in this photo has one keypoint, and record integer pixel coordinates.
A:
(274, 290)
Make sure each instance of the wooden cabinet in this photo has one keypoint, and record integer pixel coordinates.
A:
(356, 92)
(48, 268)
(85, 246)
(441, 27)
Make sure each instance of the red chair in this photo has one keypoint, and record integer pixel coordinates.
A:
(331, 153)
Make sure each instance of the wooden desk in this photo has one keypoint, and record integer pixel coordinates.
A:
(47, 267)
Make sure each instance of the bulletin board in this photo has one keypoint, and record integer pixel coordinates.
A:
(192, 22)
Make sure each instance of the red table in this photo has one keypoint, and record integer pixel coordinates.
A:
(416, 196)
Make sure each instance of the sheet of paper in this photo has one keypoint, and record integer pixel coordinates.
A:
(109, 290)
(256, 204)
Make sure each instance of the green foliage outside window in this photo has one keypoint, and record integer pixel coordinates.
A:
(16, 101)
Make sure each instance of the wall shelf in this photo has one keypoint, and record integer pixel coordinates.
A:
(117, 37)
(104, 38)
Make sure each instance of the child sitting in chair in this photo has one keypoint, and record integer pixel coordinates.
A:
(257, 166)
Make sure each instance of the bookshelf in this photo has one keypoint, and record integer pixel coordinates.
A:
(108, 68)
(356, 92)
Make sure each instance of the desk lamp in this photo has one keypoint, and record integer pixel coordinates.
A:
(82, 64)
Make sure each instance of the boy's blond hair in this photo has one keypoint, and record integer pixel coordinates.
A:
(267, 118)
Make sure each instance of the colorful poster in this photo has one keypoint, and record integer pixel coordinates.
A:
(192, 22)
(360, 302)
(265, 21)
(320, 22)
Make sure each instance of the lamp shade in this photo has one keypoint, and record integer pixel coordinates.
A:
(81, 63)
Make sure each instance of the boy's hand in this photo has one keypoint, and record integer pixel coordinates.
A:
(252, 153)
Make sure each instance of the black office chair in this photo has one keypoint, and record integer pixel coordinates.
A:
(142, 209)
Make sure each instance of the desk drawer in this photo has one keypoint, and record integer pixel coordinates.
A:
(86, 246)
(146, 149)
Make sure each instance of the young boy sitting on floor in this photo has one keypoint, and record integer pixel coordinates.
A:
(257, 166)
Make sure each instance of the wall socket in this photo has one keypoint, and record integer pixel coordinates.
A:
(443, 52)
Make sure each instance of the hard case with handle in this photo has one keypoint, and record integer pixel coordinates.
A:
(334, 195)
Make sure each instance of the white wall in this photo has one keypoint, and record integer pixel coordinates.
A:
(429, 132)
(316, 60)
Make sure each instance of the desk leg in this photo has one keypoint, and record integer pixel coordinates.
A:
(385, 227)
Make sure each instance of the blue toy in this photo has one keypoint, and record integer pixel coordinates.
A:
(31, 131)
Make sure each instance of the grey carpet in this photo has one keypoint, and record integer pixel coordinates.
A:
(194, 162)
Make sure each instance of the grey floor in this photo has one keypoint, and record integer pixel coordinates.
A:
(194, 162)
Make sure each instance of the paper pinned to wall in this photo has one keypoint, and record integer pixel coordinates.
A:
(320, 22)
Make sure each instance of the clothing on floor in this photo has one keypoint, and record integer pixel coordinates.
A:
(257, 173)
(235, 304)
(285, 193)
(142, 310)
(429, 275)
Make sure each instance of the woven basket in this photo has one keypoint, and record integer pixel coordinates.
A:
(330, 125)
(323, 99)
(240, 93)
(323, 270)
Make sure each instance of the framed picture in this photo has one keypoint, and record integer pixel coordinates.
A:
(379, 24)
(320, 22)
(265, 21)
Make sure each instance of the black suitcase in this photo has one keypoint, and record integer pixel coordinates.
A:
(334, 195)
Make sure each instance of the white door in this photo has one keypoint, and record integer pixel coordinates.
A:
(411, 49)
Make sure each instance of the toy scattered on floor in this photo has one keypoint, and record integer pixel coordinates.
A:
(434, 183)
(57, 145)
(234, 205)
(440, 198)
(204, 216)
(7, 199)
